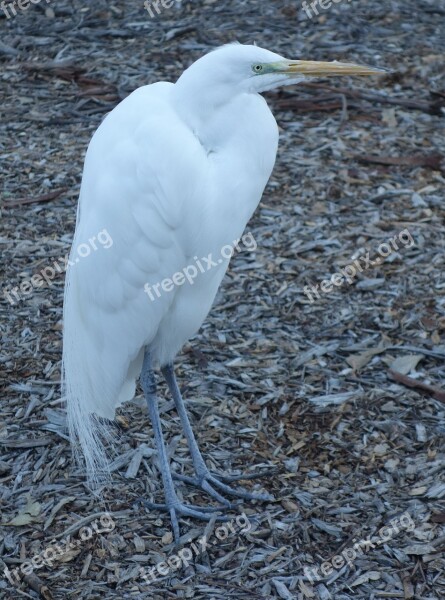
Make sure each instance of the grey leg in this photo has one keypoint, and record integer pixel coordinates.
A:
(172, 503)
(204, 479)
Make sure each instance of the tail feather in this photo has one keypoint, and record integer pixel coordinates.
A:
(87, 431)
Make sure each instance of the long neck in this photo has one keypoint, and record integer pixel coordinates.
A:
(199, 100)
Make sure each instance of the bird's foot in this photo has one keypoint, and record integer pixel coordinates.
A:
(176, 509)
(206, 481)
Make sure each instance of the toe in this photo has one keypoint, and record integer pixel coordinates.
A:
(239, 493)
(215, 494)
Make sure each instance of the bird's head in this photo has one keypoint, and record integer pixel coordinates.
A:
(246, 68)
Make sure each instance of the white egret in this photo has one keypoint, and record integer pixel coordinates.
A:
(173, 174)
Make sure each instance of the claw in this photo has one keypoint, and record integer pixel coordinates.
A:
(160, 506)
(204, 485)
(244, 476)
(203, 482)
(179, 509)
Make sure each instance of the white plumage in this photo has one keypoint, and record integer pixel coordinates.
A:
(173, 173)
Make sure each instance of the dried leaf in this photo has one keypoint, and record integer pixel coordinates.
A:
(27, 515)
(357, 361)
(406, 364)
(369, 576)
(419, 549)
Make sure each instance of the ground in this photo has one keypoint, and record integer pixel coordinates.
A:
(330, 387)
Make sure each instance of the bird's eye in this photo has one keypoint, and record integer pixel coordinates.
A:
(257, 68)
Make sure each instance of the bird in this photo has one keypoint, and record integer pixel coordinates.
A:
(172, 175)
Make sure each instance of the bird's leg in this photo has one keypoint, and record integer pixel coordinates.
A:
(172, 503)
(204, 478)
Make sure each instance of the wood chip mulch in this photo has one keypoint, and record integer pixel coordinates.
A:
(337, 397)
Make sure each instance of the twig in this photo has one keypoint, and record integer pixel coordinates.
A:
(32, 199)
(436, 393)
(36, 584)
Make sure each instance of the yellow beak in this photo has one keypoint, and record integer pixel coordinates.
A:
(314, 68)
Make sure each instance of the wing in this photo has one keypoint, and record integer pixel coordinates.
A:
(140, 169)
